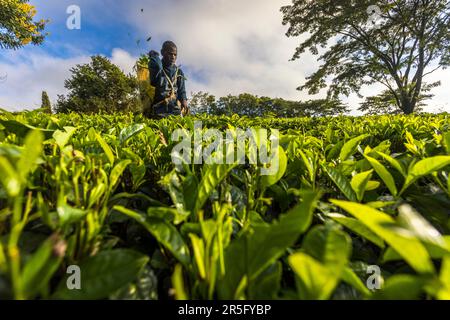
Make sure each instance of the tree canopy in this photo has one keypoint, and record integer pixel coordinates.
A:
(409, 40)
(17, 24)
(99, 86)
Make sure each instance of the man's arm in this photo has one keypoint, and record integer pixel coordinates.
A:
(154, 66)
(182, 97)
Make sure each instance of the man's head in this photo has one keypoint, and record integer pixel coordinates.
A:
(169, 52)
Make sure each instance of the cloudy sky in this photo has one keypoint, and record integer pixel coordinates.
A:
(225, 47)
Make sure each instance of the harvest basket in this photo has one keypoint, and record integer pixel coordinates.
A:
(146, 90)
(143, 74)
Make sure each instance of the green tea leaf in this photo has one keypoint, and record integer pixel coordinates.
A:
(144, 287)
(103, 274)
(9, 178)
(341, 182)
(169, 214)
(166, 234)
(384, 174)
(435, 252)
(316, 281)
(401, 287)
(68, 214)
(349, 147)
(128, 132)
(182, 190)
(250, 254)
(349, 276)
(444, 277)
(309, 165)
(39, 269)
(116, 172)
(22, 129)
(105, 148)
(31, 152)
(281, 159)
(213, 175)
(384, 226)
(199, 254)
(178, 283)
(328, 245)
(372, 185)
(63, 137)
(447, 141)
(425, 167)
(419, 227)
(393, 162)
(359, 183)
(335, 150)
(357, 227)
(267, 285)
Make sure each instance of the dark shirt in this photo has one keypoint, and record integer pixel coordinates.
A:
(158, 79)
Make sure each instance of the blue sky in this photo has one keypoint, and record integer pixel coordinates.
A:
(104, 26)
(225, 47)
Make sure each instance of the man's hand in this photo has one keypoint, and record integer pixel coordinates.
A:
(184, 108)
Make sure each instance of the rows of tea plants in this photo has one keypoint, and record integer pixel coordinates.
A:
(358, 208)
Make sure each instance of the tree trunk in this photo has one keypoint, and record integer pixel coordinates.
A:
(408, 105)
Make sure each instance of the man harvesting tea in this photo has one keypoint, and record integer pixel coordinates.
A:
(169, 82)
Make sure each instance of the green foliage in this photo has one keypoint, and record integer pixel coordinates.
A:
(17, 25)
(101, 192)
(256, 250)
(103, 274)
(320, 267)
(99, 86)
(143, 61)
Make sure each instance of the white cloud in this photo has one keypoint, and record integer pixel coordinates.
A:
(441, 100)
(123, 60)
(28, 76)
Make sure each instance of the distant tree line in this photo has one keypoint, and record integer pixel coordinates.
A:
(254, 106)
(102, 87)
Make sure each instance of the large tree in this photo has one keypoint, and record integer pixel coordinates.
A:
(398, 46)
(17, 24)
(99, 86)
(385, 102)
